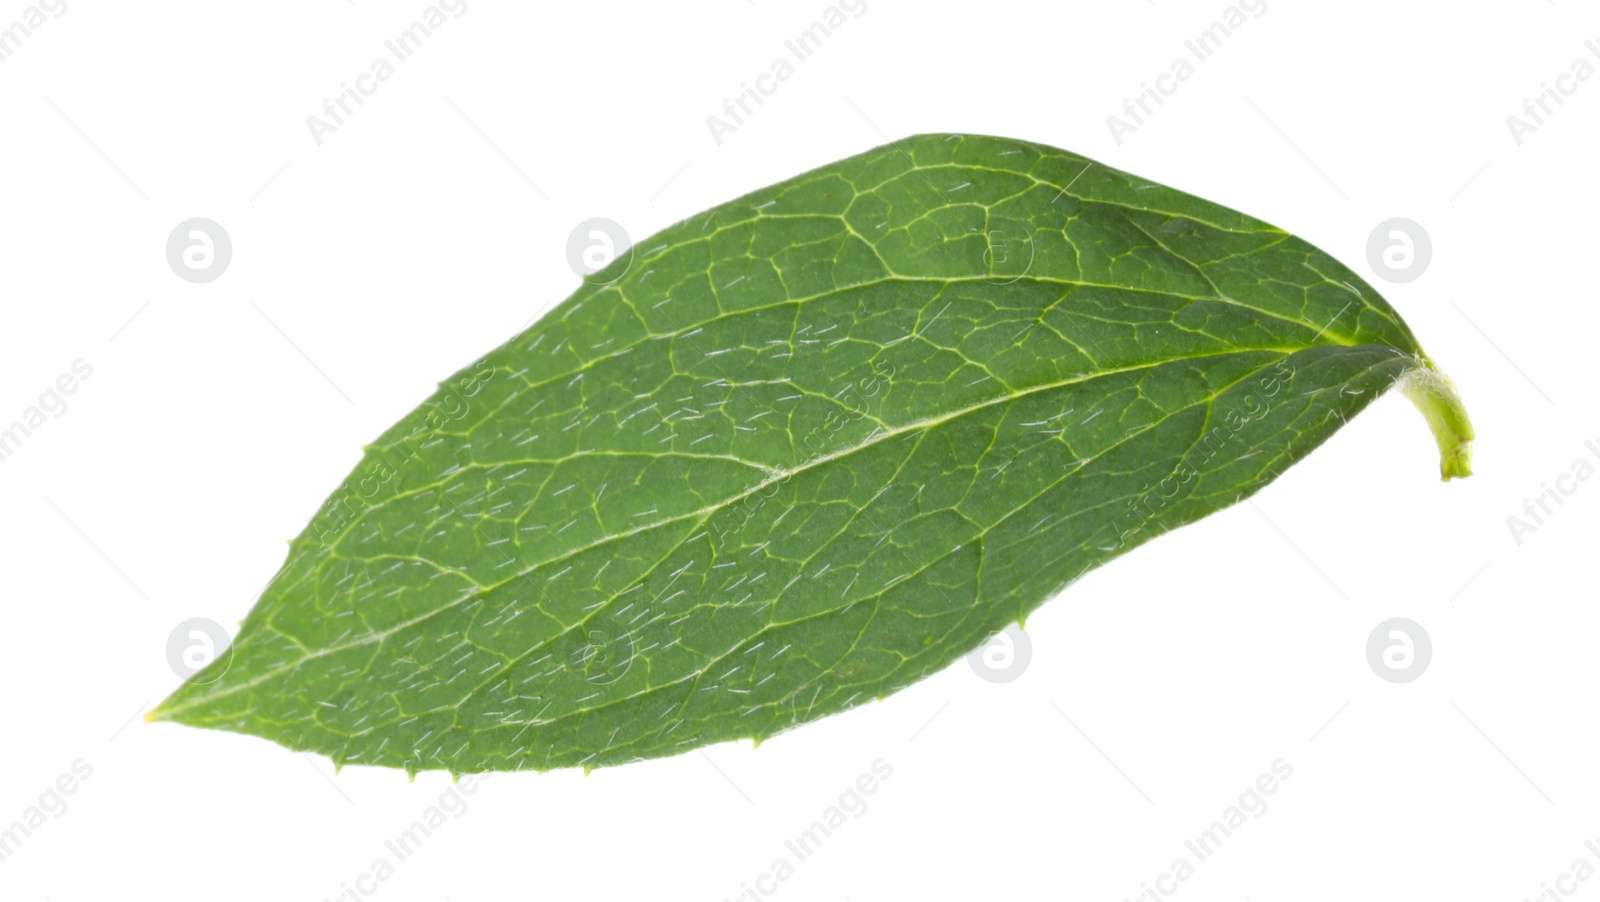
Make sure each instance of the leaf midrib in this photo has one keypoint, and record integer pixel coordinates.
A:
(924, 424)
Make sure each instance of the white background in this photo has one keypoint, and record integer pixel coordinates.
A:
(413, 239)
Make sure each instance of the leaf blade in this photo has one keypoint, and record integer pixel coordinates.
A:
(801, 451)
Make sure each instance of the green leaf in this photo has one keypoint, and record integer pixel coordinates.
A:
(796, 453)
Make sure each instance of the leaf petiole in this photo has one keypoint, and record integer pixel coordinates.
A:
(1435, 395)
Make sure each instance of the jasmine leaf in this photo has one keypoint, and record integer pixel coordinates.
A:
(799, 451)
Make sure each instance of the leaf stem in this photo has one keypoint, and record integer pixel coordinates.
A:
(1435, 395)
